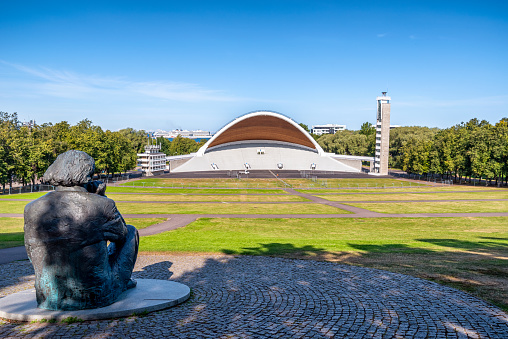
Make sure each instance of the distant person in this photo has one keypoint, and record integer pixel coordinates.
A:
(66, 236)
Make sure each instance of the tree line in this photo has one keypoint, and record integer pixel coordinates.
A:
(27, 149)
(475, 149)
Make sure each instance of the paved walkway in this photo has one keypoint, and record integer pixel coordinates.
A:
(12, 254)
(264, 297)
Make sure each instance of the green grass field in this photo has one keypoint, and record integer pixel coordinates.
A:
(268, 182)
(141, 223)
(353, 183)
(397, 189)
(210, 198)
(249, 236)
(416, 196)
(12, 206)
(23, 195)
(11, 232)
(141, 190)
(11, 229)
(207, 182)
(249, 208)
(436, 207)
(138, 190)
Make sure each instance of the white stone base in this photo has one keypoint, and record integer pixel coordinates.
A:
(149, 295)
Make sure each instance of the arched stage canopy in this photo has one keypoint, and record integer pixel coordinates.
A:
(263, 140)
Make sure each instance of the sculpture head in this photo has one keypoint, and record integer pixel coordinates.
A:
(72, 168)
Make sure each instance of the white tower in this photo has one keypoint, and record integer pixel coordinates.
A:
(382, 135)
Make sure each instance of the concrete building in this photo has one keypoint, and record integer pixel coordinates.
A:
(327, 129)
(382, 136)
(264, 140)
(153, 161)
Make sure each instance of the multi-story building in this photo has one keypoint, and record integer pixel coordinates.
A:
(327, 129)
(153, 161)
(382, 135)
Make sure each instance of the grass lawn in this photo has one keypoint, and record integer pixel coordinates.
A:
(135, 208)
(12, 206)
(206, 182)
(268, 182)
(11, 229)
(467, 253)
(139, 190)
(501, 194)
(141, 223)
(398, 189)
(11, 232)
(23, 195)
(352, 183)
(409, 235)
(190, 197)
(436, 207)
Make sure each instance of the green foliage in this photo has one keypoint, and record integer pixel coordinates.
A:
(475, 149)
(181, 145)
(27, 151)
(9, 124)
(408, 139)
(367, 129)
(165, 145)
(305, 127)
(138, 139)
(348, 142)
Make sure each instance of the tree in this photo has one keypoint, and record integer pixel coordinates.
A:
(181, 145)
(345, 142)
(9, 123)
(415, 155)
(400, 136)
(305, 127)
(367, 129)
(137, 138)
(165, 145)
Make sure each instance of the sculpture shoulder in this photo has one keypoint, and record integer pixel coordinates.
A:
(37, 203)
(58, 200)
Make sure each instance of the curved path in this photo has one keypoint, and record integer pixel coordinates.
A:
(264, 297)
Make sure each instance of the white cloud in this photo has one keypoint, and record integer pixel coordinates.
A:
(382, 35)
(65, 84)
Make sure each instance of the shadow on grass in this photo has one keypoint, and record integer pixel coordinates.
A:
(281, 249)
(12, 236)
(275, 249)
(470, 245)
(14, 239)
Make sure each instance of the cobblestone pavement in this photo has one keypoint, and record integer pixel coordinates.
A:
(264, 297)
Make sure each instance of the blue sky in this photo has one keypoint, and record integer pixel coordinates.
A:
(198, 64)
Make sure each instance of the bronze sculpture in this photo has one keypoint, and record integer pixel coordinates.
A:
(67, 232)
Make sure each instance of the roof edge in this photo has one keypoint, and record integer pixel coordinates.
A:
(203, 148)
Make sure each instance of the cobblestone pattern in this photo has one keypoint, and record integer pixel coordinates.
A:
(263, 297)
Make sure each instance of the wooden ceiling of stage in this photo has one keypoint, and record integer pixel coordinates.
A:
(263, 127)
